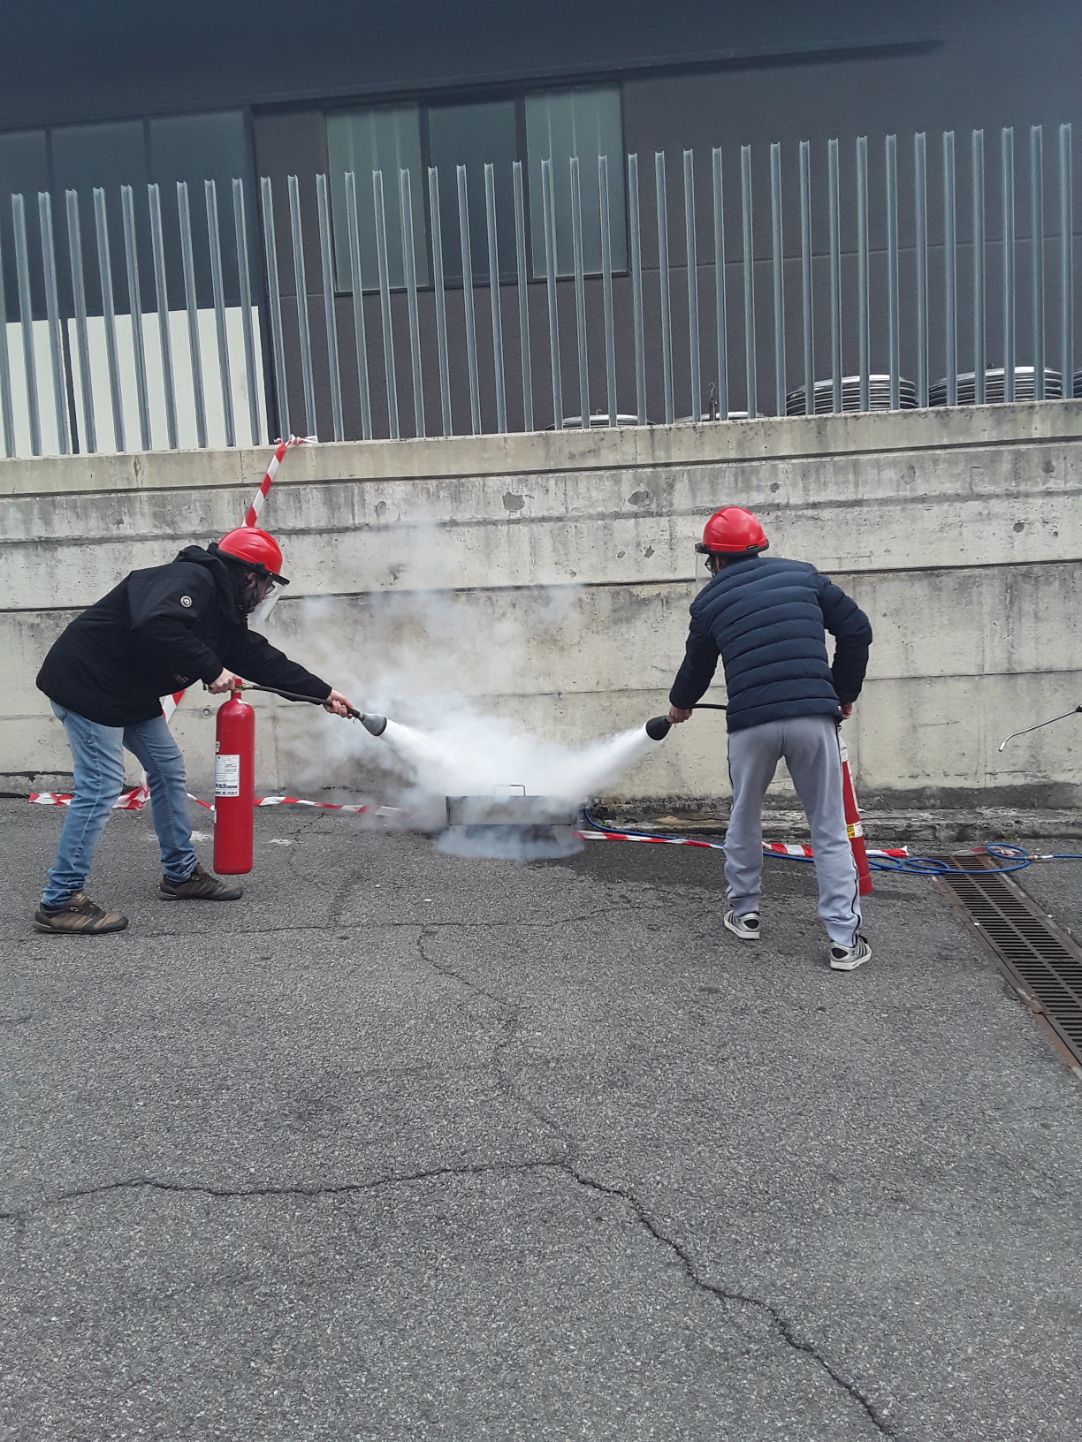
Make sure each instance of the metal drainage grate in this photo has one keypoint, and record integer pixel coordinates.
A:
(1041, 961)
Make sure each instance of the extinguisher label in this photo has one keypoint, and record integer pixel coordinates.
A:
(226, 775)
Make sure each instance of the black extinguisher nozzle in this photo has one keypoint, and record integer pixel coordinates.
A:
(658, 727)
(375, 725)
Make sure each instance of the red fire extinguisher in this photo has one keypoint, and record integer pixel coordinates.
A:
(234, 786)
(853, 825)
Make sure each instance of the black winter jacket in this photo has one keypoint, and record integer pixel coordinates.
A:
(766, 618)
(161, 630)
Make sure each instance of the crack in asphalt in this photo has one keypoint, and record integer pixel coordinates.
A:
(779, 1322)
(781, 1325)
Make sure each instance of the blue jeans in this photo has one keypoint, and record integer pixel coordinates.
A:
(98, 755)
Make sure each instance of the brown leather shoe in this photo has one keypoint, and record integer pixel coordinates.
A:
(79, 917)
(200, 886)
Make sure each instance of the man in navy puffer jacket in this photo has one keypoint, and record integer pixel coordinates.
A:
(767, 620)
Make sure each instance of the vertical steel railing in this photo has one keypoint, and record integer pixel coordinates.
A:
(691, 250)
(748, 229)
(330, 322)
(980, 341)
(721, 317)
(806, 298)
(778, 247)
(1036, 240)
(56, 335)
(1066, 244)
(863, 318)
(466, 252)
(440, 291)
(521, 273)
(662, 207)
(636, 286)
(1007, 168)
(950, 268)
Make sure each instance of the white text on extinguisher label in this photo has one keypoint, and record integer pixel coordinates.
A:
(226, 775)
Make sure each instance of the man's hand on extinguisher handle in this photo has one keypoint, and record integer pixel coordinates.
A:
(225, 682)
(340, 706)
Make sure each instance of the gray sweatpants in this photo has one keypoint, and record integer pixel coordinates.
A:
(809, 747)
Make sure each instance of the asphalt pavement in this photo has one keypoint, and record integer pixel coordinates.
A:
(405, 1145)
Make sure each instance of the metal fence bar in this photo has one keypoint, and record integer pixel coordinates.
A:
(326, 259)
(105, 271)
(494, 298)
(720, 310)
(467, 297)
(523, 298)
(135, 312)
(863, 320)
(834, 210)
(661, 206)
(749, 277)
(1066, 242)
(270, 246)
(777, 241)
(300, 286)
(920, 198)
(893, 338)
(88, 435)
(26, 317)
(214, 242)
(693, 286)
(636, 286)
(7, 409)
(191, 305)
(161, 296)
(606, 286)
(548, 208)
(356, 286)
(52, 311)
(808, 313)
(244, 278)
(1007, 166)
(385, 303)
(580, 291)
(980, 306)
(441, 300)
(1036, 207)
(409, 261)
(950, 268)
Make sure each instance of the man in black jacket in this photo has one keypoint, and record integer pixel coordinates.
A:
(767, 620)
(160, 630)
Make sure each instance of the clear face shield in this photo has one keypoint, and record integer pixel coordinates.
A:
(266, 591)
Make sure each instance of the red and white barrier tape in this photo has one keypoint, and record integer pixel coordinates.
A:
(251, 515)
(136, 798)
(770, 848)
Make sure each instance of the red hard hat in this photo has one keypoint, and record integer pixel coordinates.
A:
(261, 551)
(732, 531)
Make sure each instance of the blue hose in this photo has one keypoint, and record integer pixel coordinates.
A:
(1012, 857)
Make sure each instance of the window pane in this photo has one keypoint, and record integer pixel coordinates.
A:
(473, 136)
(386, 140)
(109, 156)
(24, 171)
(197, 148)
(585, 123)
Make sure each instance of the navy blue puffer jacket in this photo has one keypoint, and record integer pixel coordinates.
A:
(767, 618)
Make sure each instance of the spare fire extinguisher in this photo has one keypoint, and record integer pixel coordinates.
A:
(853, 824)
(234, 786)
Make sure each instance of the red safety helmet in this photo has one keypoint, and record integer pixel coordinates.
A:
(732, 531)
(257, 549)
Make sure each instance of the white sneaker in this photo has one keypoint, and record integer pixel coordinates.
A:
(848, 958)
(746, 927)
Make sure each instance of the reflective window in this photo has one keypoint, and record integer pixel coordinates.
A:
(474, 136)
(586, 124)
(360, 143)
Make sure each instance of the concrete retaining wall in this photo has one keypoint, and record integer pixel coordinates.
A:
(562, 566)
